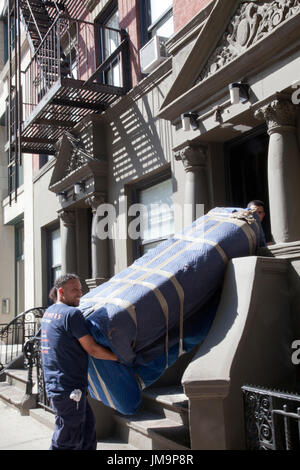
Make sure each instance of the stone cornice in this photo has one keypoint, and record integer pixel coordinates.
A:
(73, 165)
(261, 54)
(290, 251)
(190, 30)
(252, 22)
(201, 390)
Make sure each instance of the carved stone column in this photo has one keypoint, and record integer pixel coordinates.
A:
(283, 168)
(68, 241)
(99, 247)
(194, 160)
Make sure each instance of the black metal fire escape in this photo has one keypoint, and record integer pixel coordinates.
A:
(69, 75)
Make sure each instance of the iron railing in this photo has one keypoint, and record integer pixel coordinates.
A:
(14, 334)
(33, 362)
(272, 419)
(21, 338)
(69, 50)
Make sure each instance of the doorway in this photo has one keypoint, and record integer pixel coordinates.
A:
(246, 160)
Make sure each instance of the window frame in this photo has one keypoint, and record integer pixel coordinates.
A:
(102, 20)
(146, 27)
(49, 255)
(135, 190)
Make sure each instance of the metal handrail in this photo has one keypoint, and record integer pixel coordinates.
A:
(13, 336)
(15, 319)
(33, 359)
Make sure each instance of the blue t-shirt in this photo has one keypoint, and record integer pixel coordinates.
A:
(65, 362)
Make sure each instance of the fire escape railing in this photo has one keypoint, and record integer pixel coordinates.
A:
(42, 72)
(79, 66)
(68, 51)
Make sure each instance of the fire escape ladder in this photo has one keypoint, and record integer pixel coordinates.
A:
(36, 21)
(14, 99)
(38, 17)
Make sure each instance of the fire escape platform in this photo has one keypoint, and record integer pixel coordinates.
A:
(65, 104)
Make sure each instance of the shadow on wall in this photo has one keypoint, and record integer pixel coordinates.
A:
(140, 142)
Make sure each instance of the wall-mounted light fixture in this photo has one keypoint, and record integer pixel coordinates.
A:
(62, 196)
(239, 92)
(79, 187)
(189, 120)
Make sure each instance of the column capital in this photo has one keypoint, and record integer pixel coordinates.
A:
(94, 201)
(193, 157)
(68, 217)
(280, 113)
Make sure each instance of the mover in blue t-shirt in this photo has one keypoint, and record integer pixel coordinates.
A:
(65, 344)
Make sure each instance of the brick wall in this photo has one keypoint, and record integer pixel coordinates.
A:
(129, 20)
(185, 10)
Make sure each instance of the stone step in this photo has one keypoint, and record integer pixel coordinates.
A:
(149, 431)
(11, 395)
(114, 444)
(43, 416)
(169, 402)
(13, 390)
(48, 419)
(17, 378)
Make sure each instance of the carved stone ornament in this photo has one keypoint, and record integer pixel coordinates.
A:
(75, 161)
(278, 113)
(68, 217)
(94, 201)
(252, 21)
(193, 157)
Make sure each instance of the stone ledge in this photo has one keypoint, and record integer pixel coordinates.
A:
(289, 250)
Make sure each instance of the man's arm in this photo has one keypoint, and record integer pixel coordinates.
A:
(96, 350)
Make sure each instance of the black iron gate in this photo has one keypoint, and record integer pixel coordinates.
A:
(272, 419)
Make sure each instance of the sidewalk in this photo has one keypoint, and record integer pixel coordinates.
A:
(22, 432)
(19, 432)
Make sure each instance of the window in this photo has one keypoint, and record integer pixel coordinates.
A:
(15, 175)
(54, 255)
(43, 159)
(5, 44)
(19, 268)
(156, 18)
(157, 216)
(109, 40)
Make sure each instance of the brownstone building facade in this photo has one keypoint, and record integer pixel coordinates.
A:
(123, 102)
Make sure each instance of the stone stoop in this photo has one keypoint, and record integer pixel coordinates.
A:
(160, 424)
(13, 389)
(12, 392)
